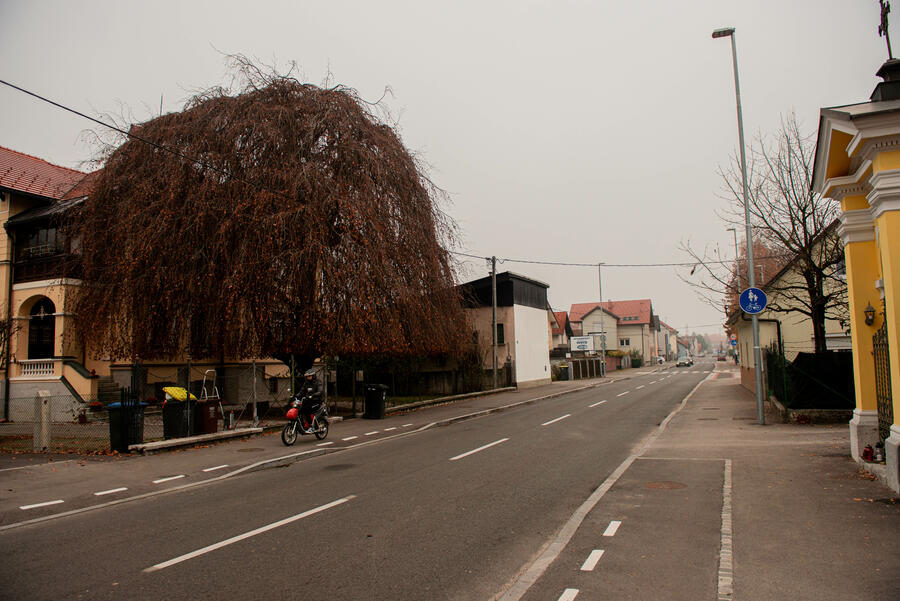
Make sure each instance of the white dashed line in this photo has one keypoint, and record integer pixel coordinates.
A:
(161, 480)
(639, 387)
(390, 429)
(371, 433)
(596, 404)
(110, 491)
(612, 528)
(218, 467)
(325, 444)
(405, 425)
(553, 421)
(654, 381)
(350, 438)
(591, 562)
(623, 393)
(36, 505)
(479, 449)
(569, 594)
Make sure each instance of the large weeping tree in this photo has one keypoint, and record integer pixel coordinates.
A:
(278, 218)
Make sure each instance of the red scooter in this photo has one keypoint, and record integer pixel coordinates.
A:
(305, 416)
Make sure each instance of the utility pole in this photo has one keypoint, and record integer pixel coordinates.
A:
(494, 319)
(602, 322)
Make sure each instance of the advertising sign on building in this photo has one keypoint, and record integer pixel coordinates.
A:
(581, 343)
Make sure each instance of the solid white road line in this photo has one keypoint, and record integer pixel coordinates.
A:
(161, 480)
(479, 449)
(56, 502)
(623, 393)
(596, 404)
(553, 421)
(110, 491)
(612, 528)
(569, 594)
(726, 549)
(218, 467)
(247, 535)
(591, 562)
(350, 438)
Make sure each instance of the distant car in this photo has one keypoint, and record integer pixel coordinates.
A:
(684, 361)
(720, 357)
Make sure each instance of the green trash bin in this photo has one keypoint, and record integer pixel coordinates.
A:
(126, 425)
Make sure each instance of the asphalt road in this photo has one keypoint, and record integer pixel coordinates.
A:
(448, 513)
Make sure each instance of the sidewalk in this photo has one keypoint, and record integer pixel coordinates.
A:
(71, 483)
(807, 522)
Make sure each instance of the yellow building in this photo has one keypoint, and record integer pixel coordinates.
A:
(858, 164)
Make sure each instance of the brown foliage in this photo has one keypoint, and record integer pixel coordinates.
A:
(284, 218)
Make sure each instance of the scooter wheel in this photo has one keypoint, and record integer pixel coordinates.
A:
(289, 433)
(320, 427)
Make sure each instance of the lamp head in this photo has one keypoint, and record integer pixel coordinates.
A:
(724, 32)
(869, 312)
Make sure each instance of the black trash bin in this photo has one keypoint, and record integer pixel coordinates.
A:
(177, 419)
(375, 396)
(126, 425)
(206, 418)
(564, 372)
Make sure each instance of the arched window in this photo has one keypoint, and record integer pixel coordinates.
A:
(42, 330)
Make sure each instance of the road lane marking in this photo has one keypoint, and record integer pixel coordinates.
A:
(595, 404)
(639, 387)
(569, 594)
(612, 528)
(390, 429)
(246, 535)
(726, 552)
(591, 562)
(161, 480)
(218, 467)
(110, 491)
(654, 381)
(405, 425)
(479, 449)
(623, 393)
(36, 505)
(350, 438)
(371, 433)
(325, 444)
(553, 421)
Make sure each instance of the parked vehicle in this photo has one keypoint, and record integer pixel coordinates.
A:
(306, 415)
(720, 357)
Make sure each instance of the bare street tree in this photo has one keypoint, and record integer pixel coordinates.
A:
(795, 229)
(279, 218)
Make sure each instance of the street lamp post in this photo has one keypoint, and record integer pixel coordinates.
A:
(757, 355)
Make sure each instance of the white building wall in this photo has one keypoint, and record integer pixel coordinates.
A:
(531, 343)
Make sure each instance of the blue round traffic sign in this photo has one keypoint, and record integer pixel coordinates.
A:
(753, 300)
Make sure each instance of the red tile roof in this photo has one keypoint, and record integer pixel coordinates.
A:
(560, 326)
(623, 309)
(30, 175)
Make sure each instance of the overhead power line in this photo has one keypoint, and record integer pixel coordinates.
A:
(563, 264)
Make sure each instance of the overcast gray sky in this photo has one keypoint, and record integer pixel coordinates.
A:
(563, 131)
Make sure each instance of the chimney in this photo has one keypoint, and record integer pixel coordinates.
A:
(889, 89)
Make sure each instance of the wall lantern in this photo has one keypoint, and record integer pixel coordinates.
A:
(869, 312)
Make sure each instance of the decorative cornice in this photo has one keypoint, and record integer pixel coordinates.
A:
(856, 226)
(854, 184)
(885, 194)
(867, 143)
